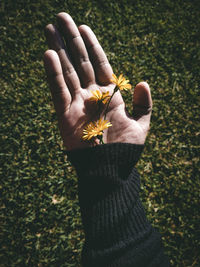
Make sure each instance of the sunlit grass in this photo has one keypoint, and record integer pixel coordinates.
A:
(155, 41)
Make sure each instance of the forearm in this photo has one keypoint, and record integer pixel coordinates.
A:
(117, 232)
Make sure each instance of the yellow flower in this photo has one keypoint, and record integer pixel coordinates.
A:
(94, 129)
(121, 82)
(98, 96)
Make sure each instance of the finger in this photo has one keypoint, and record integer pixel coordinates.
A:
(102, 68)
(55, 42)
(77, 49)
(142, 104)
(60, 94)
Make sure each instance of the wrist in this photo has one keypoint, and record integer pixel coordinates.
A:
(119, 154)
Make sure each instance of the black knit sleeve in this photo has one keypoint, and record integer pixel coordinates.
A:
(117, 233)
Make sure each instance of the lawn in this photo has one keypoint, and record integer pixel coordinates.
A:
(156, 41)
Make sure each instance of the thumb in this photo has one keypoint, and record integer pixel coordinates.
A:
(142, 104)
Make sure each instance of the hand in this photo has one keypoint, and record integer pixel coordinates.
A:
(76, 69)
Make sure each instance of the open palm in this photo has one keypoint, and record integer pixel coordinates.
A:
(77, 64)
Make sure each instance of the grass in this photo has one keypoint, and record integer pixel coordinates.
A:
(155, 41)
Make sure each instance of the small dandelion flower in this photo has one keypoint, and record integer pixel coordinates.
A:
(99, 97)
(95, 129)
(121, 82)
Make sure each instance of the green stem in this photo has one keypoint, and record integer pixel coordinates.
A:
(100, 137)
(109, 103)
(102, 142)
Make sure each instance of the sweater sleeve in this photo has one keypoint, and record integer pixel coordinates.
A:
(117, 233)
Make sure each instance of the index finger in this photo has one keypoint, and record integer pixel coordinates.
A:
(102, 68)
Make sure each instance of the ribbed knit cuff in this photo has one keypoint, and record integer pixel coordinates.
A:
(117, 232)
(103, 168)
(109, 154)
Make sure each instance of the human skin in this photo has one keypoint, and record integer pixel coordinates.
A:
(76, 69)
